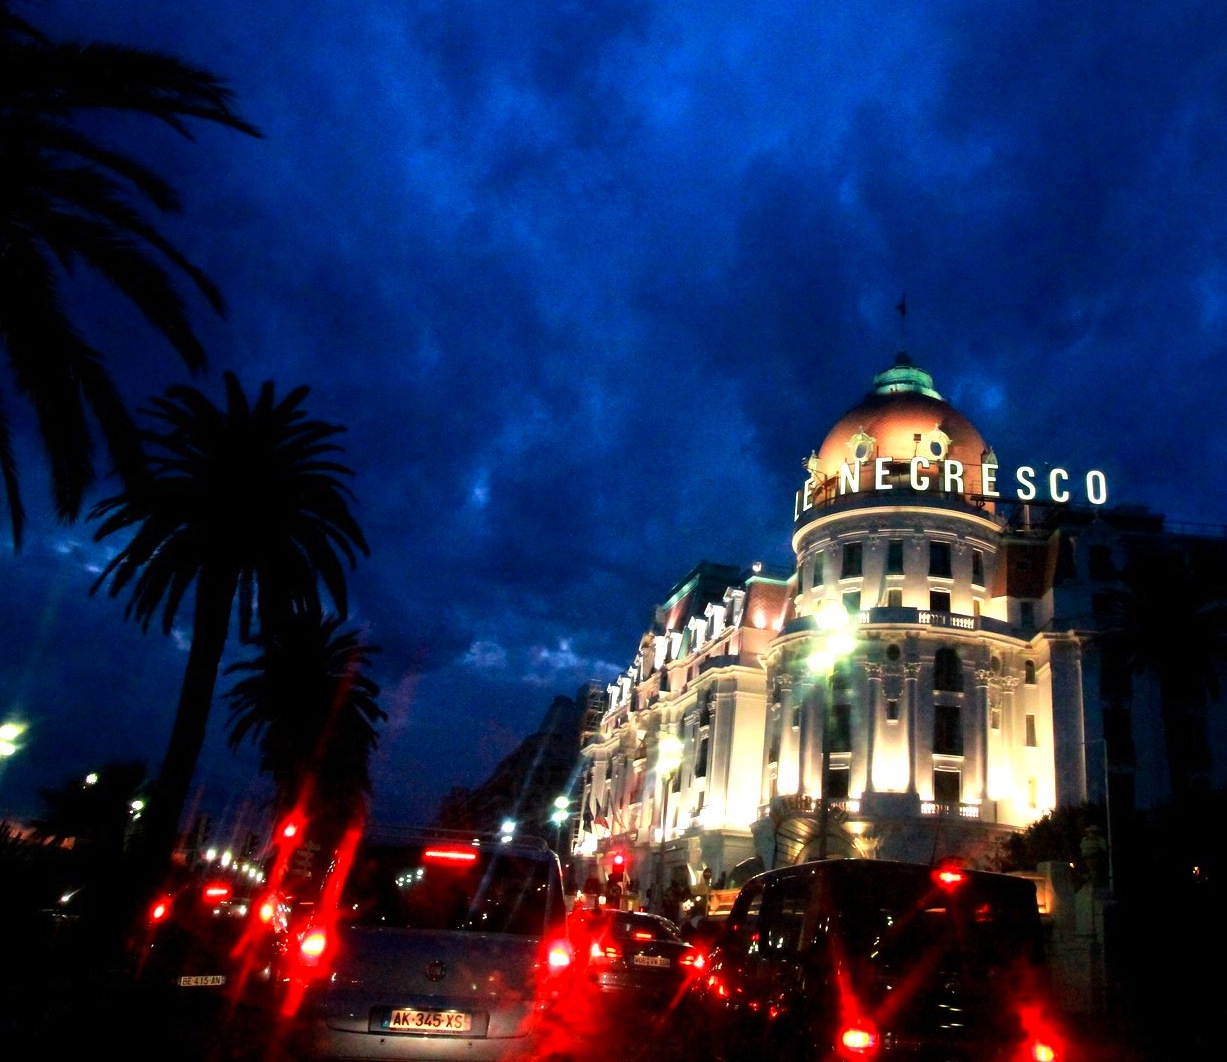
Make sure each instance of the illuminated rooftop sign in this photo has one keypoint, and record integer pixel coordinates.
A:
(921, 474)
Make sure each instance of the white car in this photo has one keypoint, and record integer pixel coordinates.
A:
(437, 946)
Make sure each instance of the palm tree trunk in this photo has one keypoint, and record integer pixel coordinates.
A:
(210, 628)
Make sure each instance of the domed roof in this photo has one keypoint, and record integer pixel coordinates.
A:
(901, 417)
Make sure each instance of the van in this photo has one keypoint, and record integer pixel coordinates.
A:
(862, 959)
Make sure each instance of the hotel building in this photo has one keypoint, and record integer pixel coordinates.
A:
(928, 677)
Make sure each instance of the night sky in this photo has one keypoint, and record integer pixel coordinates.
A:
(587, 281)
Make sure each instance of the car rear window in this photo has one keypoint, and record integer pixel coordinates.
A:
(452, 887)
(898, 917)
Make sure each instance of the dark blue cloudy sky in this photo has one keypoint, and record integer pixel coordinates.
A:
(587, 281)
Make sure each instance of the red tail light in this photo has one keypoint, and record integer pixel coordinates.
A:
(604, 952)
(312, 946)
(160, 909)
(694, 959)
(216, 891)
(949, 877)
(858, 1039)
(1043, 1041)
(450, 855)
(558, 955)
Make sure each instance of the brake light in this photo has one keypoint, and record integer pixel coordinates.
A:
(160, 909)
(858, 1039)
(450, 855)
(558, 955)
(216, 891)
(949, 877)
(604, 951)
(1043, 1042)
(312, 946)
(642, 934)
(694, 959)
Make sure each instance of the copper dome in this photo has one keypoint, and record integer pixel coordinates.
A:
(900, 418)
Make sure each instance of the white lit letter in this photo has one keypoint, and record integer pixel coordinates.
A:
(880, 467)
(988, 480)
(1026, 482)
(849, 478)
(952, 476)
(1057, 475)
(1096, 487)
(917, 482)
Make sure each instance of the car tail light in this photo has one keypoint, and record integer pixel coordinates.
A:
(643, 934)
(694, 959)
(312, 946)
(604, 952)
(450, 855)
(949, 877)
(216, 892)
(1043, 1042)
(558, 955)
(858, 1039)
(159, 910)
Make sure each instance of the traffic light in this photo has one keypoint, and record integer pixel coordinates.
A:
(618, 871)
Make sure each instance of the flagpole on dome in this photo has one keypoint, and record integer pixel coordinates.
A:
(901, 310)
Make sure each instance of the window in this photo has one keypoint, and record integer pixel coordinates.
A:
(947, 671)
(1031, 742)
(947, 786)
(796, 717)
(947, 730)
(939, 600)
(852, 561)
(773, 749)
(939, 559)
(977, 567)
(1026, 613)
(705, 699)
(894, 557)
(819, 576)
(700, 760)
(852, 600)
(839, 728)
(994, 717)
(894, 598)
(892, 710)
(838, 782)
(892, 652)
(1029, 672)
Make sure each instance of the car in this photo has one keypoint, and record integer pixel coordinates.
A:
(864, 959)
(433, 944)
(210, 937)
(634, 957)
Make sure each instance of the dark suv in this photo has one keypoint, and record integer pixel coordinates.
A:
(871, 959)
(434, 946)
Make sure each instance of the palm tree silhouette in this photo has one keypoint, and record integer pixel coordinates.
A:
(67, 199)
(244, 502)
(307, 703)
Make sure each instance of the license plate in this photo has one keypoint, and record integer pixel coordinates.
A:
(201, 980)
(405, 1019)
(650, 960)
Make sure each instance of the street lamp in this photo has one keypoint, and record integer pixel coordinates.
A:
(558, 816)
(668, 760)
(835, 641)
(9, 734)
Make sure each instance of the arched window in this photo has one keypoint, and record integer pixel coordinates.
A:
(1029, 672)
(947, 671)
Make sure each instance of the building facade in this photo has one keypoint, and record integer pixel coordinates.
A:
(932, 675)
